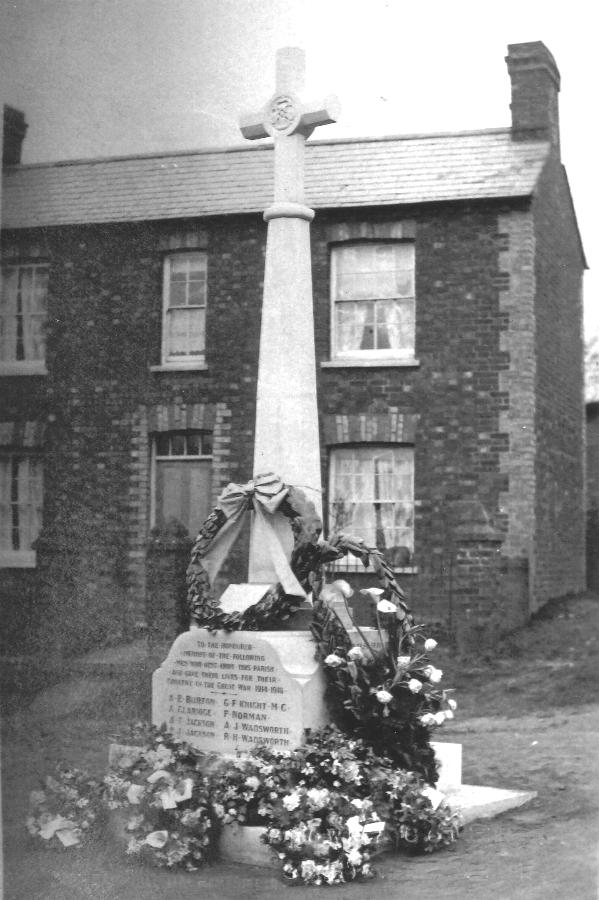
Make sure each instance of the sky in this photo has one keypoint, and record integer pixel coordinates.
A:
(118, 77)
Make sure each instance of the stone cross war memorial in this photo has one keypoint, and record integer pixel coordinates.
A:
(226, 691)
(230, 691)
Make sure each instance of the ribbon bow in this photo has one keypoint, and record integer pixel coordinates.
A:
(264, 496)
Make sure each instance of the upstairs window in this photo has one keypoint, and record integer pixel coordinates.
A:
(371, 496)
(20, 507)
(182, 478)
(23, 312)
(184, 310)
(372, 290)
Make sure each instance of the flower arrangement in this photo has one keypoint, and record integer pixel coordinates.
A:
(162, 789)
(64, 810)
(327, 808)
(385, 690)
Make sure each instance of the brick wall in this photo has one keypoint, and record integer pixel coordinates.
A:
(452, 398)
(559, 414)
(518, 382)
(592, 495)
(101, 401)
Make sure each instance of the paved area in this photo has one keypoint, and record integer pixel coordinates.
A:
(545, 850)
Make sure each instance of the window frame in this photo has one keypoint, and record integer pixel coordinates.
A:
(156, 458)
(348, 563)
(25, 366)
(23, 557)
(169, 360)
(375, 355)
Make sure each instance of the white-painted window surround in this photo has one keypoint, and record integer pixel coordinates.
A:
(371, 496)
(23, 313)
(181, 478)
(184, 309)
(373, 301)
(21, 497)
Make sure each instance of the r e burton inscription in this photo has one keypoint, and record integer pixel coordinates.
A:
(226, 692)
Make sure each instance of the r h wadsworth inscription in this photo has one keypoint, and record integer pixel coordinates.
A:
(227, 692)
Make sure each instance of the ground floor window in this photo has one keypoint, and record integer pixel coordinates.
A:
(21, 493)
(182, 478)
(371, 495)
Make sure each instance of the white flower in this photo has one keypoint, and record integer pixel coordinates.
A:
(430, 644)
(333, 660)
(354, 826)
(308, 868)
(355, 654)
(156, 776)
(343, 587)
(50, 826)
(253, 782)
(318, 798)
(414, 685)
(374, 593)
(357, 803)
(452, 704)
(385, 606)
(384, 696)
(433, 675)
(403, 662)
(160, 758)
(291, 801)
(354, 857)
(171, 796)
(439, 718)
(135, 793)
(157, 839)
(427, 719)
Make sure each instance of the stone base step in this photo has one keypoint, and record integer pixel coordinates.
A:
(476, 802)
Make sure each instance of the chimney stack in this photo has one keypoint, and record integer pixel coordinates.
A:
(15, 128)
(535, 85)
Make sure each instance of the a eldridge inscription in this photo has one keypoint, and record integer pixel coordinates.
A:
(225, 692)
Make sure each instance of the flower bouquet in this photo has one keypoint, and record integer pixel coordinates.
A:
(383, 688)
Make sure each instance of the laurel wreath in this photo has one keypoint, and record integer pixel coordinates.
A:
(309, 558)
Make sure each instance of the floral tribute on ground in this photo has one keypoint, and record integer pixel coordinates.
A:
(360, 786)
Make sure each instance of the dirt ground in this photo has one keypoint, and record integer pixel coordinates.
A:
(528, 719)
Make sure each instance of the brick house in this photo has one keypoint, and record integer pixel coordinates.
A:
(592, 497)
(447, 273)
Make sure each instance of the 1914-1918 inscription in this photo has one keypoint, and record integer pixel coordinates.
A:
(227, 692)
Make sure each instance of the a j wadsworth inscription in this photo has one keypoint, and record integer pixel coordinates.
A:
(225, 692)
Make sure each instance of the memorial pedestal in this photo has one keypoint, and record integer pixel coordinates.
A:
(226, 692)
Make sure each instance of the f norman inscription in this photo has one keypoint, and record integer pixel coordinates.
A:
(225, 692)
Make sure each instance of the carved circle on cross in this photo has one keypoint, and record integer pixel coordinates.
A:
(283, 113)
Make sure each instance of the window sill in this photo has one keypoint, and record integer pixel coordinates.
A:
(15, 367)
(17, 559)
(351, 569)
(370, 363)
(180, 367)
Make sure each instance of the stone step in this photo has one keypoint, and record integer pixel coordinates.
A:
(477, 802)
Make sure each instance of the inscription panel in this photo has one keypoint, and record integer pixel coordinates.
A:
(226, 692)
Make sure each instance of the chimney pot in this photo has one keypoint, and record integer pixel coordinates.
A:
(15, 128)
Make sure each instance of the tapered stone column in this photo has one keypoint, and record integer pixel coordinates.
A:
(286, 437)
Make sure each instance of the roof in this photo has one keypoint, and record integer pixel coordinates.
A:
(341, 173)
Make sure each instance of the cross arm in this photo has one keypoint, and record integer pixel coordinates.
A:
(314, 114)
(252, 126)
(302, 117)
